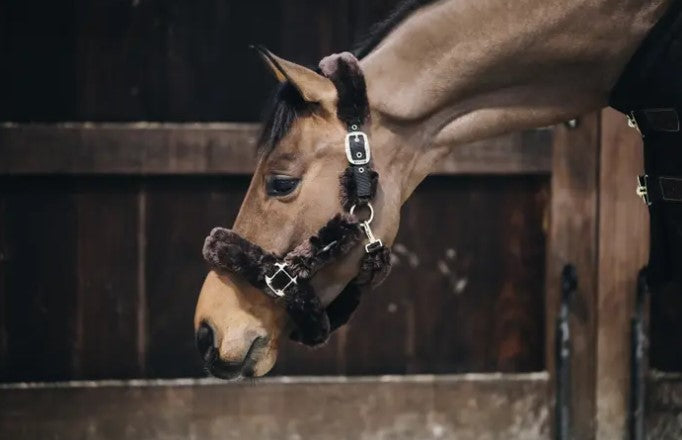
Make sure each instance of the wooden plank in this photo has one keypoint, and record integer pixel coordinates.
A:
(523, 152)
(139, 148)
(179, 215)
(40, 279)
(468, 407)
(106, 322)
(213, 148)
(573, 229)
(519, 313)
(623, 250)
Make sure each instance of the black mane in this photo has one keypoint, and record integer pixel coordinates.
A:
(287, 104)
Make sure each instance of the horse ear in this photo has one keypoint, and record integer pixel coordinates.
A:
(312, 86)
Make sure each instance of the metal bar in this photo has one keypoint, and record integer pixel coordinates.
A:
(638, 355)
(562, 407)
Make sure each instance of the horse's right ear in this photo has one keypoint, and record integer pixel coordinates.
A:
(312, 86)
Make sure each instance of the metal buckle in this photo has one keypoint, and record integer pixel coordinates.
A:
(281, 272)
(374, 243)
(642, 189)
(357, 148)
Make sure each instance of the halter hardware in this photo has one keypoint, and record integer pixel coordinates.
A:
(282, 277)
(374, 243)
(357, 148)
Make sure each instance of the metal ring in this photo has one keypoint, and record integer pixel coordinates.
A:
(371, 211)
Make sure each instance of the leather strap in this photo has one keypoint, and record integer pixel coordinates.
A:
(363, 182)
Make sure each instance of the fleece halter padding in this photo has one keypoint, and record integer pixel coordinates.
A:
(226, 251)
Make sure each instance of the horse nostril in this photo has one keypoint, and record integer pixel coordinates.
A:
(204, 339)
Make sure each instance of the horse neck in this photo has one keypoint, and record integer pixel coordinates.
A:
(462, 70)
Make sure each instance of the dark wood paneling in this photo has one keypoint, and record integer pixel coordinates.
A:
(37, 43)
(623, 250)
(466, 288)
(160, 60)
(466, 291)
(573, 236)
(148, 148)
(107, 240)
(470, 407)
(180, 213)
(40, 283)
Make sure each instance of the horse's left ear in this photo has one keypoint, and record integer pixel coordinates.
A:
(312, 86)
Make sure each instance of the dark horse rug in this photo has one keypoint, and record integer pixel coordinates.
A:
(649, 92)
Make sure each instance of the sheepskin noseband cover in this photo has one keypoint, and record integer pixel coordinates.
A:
(226, 251)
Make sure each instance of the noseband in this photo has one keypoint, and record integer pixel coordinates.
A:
(287, 278)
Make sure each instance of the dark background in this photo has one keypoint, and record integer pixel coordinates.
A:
(80, 299)
(161, 60)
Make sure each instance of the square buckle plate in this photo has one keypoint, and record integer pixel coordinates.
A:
(280, 281)
(357, 148)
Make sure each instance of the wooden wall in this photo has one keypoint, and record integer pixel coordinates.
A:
(100, 277)
(100, 264)
(466, 407)
(161, 60)
(99, 273)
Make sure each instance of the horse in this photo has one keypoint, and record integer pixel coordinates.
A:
(434, 75)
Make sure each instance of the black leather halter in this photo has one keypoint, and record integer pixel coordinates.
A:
(287, 277)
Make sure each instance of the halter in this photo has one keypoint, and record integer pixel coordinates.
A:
(287, 277)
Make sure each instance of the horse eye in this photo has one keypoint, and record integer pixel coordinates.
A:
(278, 186)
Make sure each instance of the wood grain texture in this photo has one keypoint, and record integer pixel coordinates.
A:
(623, 251)
(573, 235)
(469, 407)
(466, 289)
(225, 148)
(139, 148)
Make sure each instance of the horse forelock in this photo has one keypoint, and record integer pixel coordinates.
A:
(284, 108)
